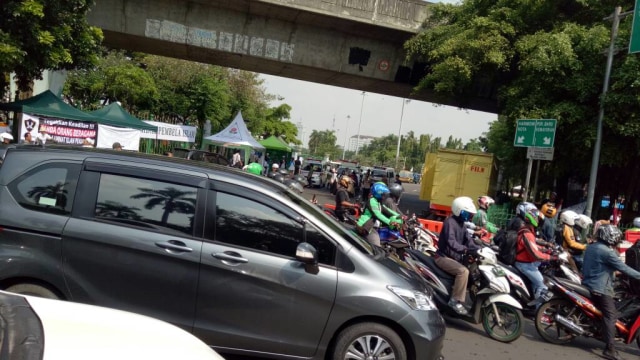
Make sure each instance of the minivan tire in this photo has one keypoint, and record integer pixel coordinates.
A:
(32, 290)
(352, 340)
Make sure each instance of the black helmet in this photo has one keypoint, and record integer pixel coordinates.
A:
(396, 190)
(284, 172)
(278, 177)
(301, 179)
(294, 186)
(609, 234)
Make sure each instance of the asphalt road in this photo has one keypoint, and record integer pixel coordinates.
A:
(468, 341)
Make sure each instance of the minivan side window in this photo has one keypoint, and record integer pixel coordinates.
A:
(248, 223)
(157, 205)
(48, 188)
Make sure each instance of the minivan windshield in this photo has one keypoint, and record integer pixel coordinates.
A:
(329, 222)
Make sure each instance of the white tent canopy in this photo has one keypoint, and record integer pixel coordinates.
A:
(234, 135)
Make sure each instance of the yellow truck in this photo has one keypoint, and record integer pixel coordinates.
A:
(448, 174)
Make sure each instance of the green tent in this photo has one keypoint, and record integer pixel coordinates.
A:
(114, 115)
(49, 105)
(275, 143)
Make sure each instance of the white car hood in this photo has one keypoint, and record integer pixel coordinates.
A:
(78, 331)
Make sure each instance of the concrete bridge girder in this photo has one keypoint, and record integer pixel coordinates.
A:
(345, 43)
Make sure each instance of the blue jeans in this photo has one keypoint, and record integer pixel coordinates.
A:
(579, 259)
(530, 270)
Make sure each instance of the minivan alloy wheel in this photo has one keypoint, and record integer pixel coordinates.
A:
(369, 341)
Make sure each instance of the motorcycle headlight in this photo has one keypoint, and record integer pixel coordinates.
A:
(416, 300)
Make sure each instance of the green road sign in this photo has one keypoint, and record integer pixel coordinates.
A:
(634, 43)
(538, 133)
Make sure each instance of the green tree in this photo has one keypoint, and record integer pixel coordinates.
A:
(540, 60)
(36, 35)
(276, 123)
(323, 142)
(116, 77)
(190, 92)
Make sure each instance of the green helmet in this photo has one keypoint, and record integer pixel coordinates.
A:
(254, 168)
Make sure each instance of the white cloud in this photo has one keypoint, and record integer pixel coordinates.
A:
(316, 106)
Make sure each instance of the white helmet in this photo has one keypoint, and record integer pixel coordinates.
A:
(636, 222)
(568, 217)
(584, 221)
(275, 166)
(463, 207)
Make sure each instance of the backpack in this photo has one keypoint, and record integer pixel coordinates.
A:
(507, 241)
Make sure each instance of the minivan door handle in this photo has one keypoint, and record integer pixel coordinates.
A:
(232, 256)
(174, 245)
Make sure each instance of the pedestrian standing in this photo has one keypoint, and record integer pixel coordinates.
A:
(297, 165)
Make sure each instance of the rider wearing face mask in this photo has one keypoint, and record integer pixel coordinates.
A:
(453, 243)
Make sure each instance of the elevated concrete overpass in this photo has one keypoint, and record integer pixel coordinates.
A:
(354, 44)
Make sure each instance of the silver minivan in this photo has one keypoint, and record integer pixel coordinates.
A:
(238, 260)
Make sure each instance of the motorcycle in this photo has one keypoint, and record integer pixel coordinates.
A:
(521, 288)
(330, 209)
(420, 238)
(488, 293)
(568, 312)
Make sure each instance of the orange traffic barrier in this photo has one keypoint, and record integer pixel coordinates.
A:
(431, 225)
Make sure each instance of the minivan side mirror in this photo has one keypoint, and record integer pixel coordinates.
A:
(307, 254)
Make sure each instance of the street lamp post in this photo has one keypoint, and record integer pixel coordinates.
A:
(346, 132)
(404, 101)
(360, 123)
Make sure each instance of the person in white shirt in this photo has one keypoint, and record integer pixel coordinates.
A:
(43, 137)
(236, 160)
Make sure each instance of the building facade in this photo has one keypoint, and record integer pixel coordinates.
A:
(354, 144)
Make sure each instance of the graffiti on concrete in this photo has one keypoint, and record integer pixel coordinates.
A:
(219, 40)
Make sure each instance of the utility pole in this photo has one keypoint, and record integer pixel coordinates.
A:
(404, 101)
(346, 132)
(360, 123)
(595, 161)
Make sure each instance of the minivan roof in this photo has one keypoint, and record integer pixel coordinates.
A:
(80, 153)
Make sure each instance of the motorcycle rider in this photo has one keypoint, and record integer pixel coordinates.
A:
(582, 226)
(600, 262)
(392, 201)
(570, 241)
(548, 227)
(373, 211)
(453, 243)
(342, 197)
(529, 253)
(254, 168)
(480, 218)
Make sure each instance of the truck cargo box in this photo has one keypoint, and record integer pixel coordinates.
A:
(448, 174)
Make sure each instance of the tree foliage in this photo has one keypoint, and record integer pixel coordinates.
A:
(179, 91)
(546, 61)
(323, 143)
(36, 35)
